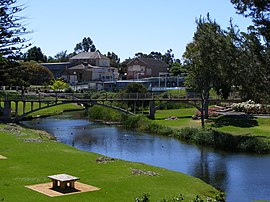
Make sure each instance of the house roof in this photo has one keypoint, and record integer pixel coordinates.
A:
(88, 66)
(77, 67)
(151, 62)
(88, 55)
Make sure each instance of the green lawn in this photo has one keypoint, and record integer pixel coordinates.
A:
(234, 125)
(30, 162)
(183, 117)
(242, 126)
(55, 110)
(44, 112)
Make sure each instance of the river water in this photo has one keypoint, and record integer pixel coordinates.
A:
(244, 177)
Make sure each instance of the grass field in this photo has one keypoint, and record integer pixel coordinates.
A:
(31, 158)
(229, 124)
(183, 118)
(44, 112)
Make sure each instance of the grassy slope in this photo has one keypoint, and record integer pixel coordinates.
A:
(235, 126)
(45, 112)
(261, 127)
(31, 162)
(184, 118)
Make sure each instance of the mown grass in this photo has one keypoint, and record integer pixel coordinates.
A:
(184, 118)
(235, 125)
(242, 125)
(54, 110)
(30, 162)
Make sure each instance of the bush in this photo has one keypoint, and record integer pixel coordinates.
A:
(250, 107)
(106, 114)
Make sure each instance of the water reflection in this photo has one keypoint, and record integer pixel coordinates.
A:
(243, 177)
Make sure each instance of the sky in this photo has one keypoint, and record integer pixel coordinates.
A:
(124, 27)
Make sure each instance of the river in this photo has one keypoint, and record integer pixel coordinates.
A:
(244, 177)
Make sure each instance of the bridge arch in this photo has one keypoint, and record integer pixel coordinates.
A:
(187, 103)
(21, 117)
(112, 107)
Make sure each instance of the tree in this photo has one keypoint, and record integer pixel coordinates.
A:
(114, 59)
(253, 73)
(11, 30)
(259, 11)
(59, 85)
(208, 59)
(176, 68)
(36, 74)
(168, 57)
(35, 54)
(86, 45)
(135, 88)
(62, 56)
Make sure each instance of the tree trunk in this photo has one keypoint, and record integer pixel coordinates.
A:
(202, 113)
(206, 103)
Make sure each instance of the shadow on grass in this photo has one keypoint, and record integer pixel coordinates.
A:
(178, 117)
(241, 121)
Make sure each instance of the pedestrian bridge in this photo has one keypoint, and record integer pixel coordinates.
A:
(144, 100)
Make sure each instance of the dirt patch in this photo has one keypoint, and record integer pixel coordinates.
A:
(46, 189)
(2, 157)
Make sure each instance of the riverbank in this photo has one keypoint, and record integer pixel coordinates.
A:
(32, 155)
(237, 134)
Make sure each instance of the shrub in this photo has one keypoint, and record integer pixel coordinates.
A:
(106, 114)
(250, 107)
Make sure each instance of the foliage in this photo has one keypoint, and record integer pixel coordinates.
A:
(254, 57)
(86, 45)
(176, 68)
(252, 72)
(35, 74)
(35, 54)
(59, 85)
(62, 56)
(105, 114)
(114, 59)
(259, 11)
(135, 88)
(208, 60)
(11, 30)
(250, 107)
(11, 73)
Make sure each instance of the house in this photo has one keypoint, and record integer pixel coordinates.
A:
(57, 69)
(145, 67)
(92, 58)
(84, 73)
(84, 68)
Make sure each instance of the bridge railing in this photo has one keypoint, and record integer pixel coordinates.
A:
(55, 97)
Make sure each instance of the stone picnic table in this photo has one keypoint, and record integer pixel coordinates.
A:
(63, 181)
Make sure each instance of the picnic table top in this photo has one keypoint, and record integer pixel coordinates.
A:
(63, 177)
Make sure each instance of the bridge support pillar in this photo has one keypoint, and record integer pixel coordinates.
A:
(24, 107)
(7, 111)
(16, 108)
(152, 110)
(32, 106)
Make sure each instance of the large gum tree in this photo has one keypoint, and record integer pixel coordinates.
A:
(208, 60)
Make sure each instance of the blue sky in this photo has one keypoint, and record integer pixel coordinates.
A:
(122, 26)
